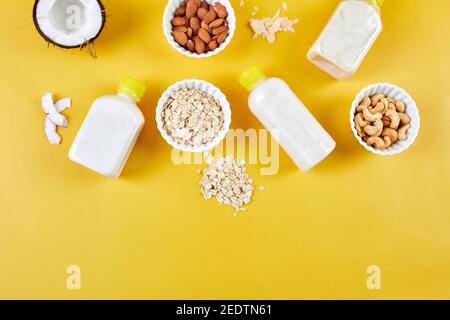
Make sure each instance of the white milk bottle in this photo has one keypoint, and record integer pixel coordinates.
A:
(347, 38)
(286, 117)
(110, 130)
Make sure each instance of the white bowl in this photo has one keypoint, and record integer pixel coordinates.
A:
(207, 88)
(412, 111)
(169, 14)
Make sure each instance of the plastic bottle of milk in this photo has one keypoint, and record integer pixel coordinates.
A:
(347, 38)
(286, 117)
(110, 130)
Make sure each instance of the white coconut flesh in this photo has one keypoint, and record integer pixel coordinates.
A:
(69, 23)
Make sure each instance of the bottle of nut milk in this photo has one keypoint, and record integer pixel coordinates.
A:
(347, 38)
(288, 120)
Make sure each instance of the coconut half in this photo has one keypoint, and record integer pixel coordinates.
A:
(69, 23)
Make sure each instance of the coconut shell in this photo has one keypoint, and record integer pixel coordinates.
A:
(88, 43)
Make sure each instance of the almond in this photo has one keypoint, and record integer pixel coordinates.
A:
(179, 21)
(205, 5)
(219, 30)
(211, 16)
(195, 24)
(181, 11)
(220, 10)
(180, 37)
(201, 13)
(189, 32)
(222, 37)
(190, 45)
(180, 28)
(205, 26)
(213, 45)
(204, 35)
(216, 23)
(200, 46)
(191, 9)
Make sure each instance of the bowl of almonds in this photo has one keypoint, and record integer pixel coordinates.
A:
(385, 119)
(199, 28)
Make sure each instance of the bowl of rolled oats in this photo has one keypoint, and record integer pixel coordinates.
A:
(193, 116)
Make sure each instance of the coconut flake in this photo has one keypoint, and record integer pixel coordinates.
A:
(267, 28)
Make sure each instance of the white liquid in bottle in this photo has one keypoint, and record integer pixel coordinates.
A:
(286, 117)
(347, 38)
(110, 131)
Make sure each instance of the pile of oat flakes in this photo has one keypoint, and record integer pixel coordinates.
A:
(228, 181)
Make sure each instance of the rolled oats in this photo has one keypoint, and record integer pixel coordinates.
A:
(228, 181)
(192, 117)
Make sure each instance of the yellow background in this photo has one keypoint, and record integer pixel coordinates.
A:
(151, 235)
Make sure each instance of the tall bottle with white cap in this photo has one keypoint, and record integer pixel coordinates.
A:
(110, 130)
(286, 117)
(347, 38)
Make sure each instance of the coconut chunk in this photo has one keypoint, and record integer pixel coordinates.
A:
(49, 108)
(50, 131)
(63, 104)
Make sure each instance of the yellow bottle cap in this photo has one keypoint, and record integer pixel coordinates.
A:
(377, 3)
(251, 77)
(132, 88)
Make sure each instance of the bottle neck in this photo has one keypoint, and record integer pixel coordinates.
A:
(124, 95)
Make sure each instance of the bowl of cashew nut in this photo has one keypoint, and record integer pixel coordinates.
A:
(385, 119)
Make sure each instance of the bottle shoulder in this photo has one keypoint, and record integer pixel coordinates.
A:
(269, 84)
(119, 104)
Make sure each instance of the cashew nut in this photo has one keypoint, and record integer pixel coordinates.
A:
(360, 121)
(385, 102)
(375, 130)
(371, 117)
(387, 142)
(391, 106)
(386, 121)
(376, 141)
(364, 103)
(404, 118)
(402, 132)
(391, 133)
(400, 106)
(379, 108)
(395, 119)
(361, 132)
(376, 98)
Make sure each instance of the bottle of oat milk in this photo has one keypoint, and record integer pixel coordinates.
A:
(287, 119)
(347, 38)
